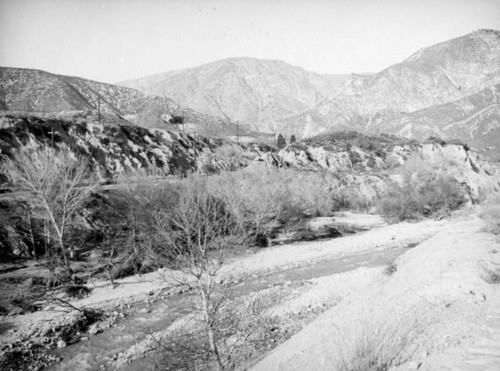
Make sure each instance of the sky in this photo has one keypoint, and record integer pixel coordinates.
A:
(115, 40)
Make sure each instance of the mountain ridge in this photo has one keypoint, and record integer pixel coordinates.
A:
(449, 89)
(38, 91)
(243, 88)
(432, 76)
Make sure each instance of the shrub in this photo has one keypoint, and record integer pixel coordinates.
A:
(199, 222)
(259, 199)
(281, 142)
(264, 198)
(390, 268)
(491, 276)
(199, 231)
(177, 120)
(58, 184)
(227, 157)
(77, 291)
(136, 228)
(141, 245)
(229, 152)
(422, 194)
(491, 216)
(371, 345)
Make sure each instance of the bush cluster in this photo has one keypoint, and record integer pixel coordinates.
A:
(491, 216)
(262, 198)
(139, 221)
(135, 225)
(422, 194)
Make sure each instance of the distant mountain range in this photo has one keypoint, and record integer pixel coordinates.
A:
(433, 76)
(448, 90)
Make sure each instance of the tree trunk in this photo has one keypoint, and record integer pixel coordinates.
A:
(32, 237)
(64, 253)
(212, 341)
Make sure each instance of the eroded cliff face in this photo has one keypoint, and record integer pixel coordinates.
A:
(361, 158)
(478, 177)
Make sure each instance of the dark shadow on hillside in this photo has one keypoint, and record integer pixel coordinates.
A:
(5, 326)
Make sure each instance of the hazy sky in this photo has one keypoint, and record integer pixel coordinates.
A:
(113, 40)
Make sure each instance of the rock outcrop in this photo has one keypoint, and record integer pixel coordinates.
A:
(114, 148)
(110, 148)
(358, 158)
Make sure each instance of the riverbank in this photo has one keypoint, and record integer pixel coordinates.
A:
(425, 315)
(306, 298)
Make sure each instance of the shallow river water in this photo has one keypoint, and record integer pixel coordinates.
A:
(143, 319)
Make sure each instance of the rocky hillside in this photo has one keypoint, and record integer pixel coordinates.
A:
(113, 148)
(461, 70)
(246, 89)
(358, 157)
(364, 162)
(36, 91)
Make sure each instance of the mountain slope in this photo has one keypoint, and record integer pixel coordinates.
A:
(409, 98)
(475, 119)
(244, 89)
(41, 92)
(438, 74)
(433, 76)
(449, 90)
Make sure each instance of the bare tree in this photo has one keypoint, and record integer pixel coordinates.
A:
(57, 184)
(199, 233)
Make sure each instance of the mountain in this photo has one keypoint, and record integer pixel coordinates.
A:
(475, 119)
(448, 90)
(432, 77)
(249, 90)
(35, 91)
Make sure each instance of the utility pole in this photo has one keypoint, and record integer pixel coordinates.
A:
(52, 133)
(99, 108)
